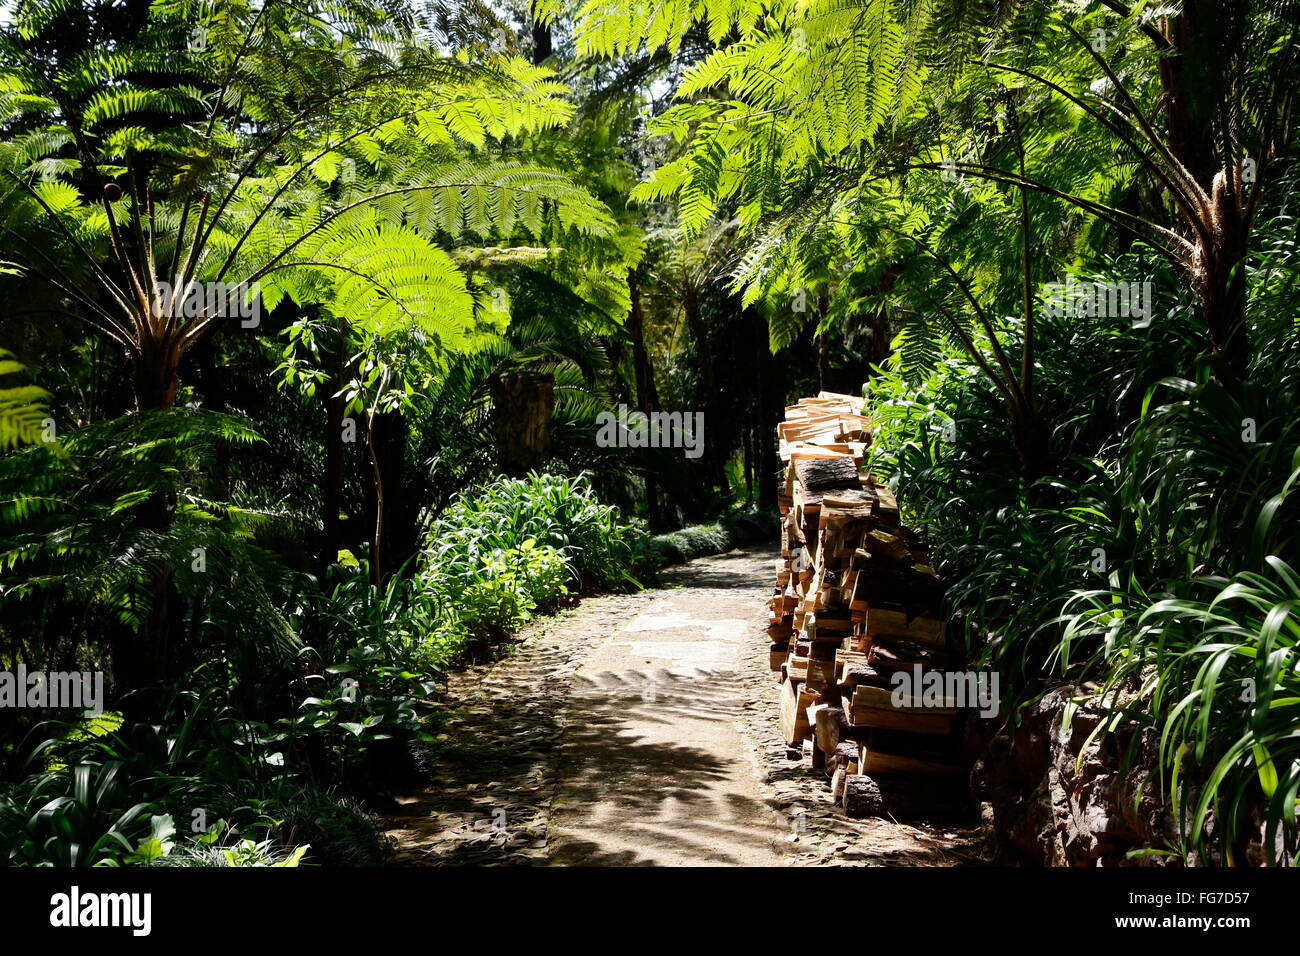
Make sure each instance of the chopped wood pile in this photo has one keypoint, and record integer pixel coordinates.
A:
(856, 602)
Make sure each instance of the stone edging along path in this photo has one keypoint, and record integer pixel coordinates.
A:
(641, 729)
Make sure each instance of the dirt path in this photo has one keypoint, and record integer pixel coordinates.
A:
(640, 730)
(655, 768)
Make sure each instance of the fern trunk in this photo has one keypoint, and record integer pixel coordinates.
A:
(1197, 86)
(1219, 279)
(142, 659)
(332, 485)
(522, 404)
(647, 396)
(156, 373)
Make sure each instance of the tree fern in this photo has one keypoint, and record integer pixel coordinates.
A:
(23, 415)
(323, 140)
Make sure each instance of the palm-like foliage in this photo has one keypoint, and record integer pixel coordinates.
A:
(76, 541)
(1157, 561)
(794, 122)
(22, 412)
(318, 152)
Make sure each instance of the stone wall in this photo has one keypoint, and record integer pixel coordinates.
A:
(1060, 798)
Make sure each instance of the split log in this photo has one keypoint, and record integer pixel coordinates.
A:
(846, 754)
(818, 474)
(795, 702)
(880, 697)
(830, 727)
(893, 622)
(855, 674)
(886, 718)
(906, 587)
(894, 655)
(837, 782)
(820, 674)
(872, 760)
(889, 548)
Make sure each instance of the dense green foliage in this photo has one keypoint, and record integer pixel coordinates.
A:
(96, 793)
(726, 534)
(263, 496)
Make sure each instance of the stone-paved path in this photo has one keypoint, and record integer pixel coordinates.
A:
(641, 730)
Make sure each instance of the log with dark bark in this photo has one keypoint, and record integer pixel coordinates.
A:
(899, 797)
(817, 474)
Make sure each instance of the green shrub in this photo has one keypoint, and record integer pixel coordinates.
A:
(498, 591)
(562, 513)
(240, 853)
(81, 815)
(726, 534)
(418, 626)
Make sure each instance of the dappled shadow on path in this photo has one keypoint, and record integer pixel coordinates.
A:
(490, 769)
(645, 794)
(738, 569)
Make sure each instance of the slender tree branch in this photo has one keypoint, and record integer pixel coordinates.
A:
(1154, 138)
(1159, 39)
(1193, 205)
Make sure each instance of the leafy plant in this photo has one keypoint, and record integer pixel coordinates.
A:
(79, 816)
(374, 700)
(216, 848)
(553, 511)
(22, 414)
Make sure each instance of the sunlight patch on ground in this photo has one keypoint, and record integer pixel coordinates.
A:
(726, 629)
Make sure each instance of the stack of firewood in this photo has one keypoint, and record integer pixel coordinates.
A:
(856, 602)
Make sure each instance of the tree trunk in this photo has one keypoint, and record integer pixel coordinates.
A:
(377, 539)
(878, 320)
(771, 399)
(522, 403)
(1196, 83)
(541, 43)
(332, 486)
(1031, 439)
(647, 396)
(823, 347)
(405, 501)
(395, 519)
(142, 659)
(156, 375)
(747, 448)
(714, 456)
(1221, 281)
